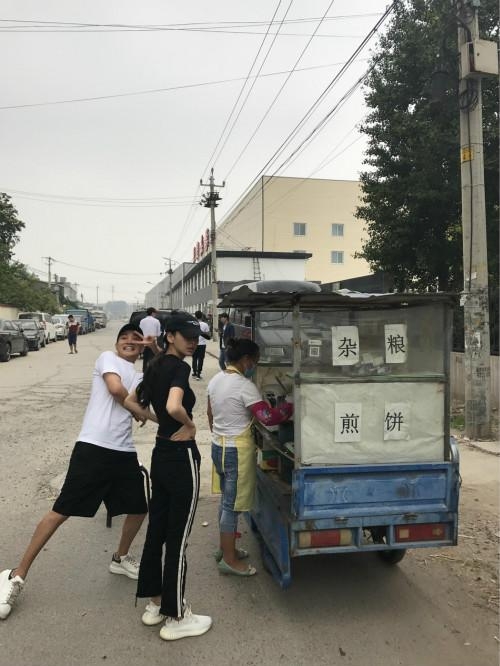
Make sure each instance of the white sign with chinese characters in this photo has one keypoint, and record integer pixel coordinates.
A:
(397, 420)
(347, 421)
(345, 345)
(396, 343)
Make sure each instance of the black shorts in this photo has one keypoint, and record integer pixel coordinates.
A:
(97, 475)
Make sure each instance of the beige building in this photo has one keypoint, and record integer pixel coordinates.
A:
(313, 215)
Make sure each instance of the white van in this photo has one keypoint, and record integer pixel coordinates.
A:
(46, 319)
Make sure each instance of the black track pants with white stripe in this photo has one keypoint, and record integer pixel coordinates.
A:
(175, 478)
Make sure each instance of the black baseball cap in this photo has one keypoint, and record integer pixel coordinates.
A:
(129, 327)
(184, 323)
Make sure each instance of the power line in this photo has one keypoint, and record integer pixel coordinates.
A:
(160, 90)
(307, 115)
(191, 213)
(96, 270)
(254, 81)
(273, 102)
(51, 27)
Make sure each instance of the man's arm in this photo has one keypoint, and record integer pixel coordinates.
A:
(115, 387)
(119, 392)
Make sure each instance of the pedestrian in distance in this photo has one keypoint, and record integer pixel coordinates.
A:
(151, 327)
(103, 467)
(233, 402)
(73, 328)
(175, 477)
(199, 352)
(226, 332)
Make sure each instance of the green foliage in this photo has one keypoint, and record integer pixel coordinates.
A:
(411, 197)
(17, 286)
(10, 226)
(23, 290)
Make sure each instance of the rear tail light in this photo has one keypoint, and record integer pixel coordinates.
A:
(325, 538)
(427, 532)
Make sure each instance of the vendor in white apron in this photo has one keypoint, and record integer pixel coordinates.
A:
(233, 402)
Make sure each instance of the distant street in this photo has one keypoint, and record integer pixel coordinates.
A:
(436, 608)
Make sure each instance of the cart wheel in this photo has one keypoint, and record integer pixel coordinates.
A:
(392, 556)
(388, 556)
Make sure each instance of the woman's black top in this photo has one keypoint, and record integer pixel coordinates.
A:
(172, 372)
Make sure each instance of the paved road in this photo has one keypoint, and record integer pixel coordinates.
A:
(433, 609)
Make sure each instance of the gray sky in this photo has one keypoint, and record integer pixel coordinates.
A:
(112, 184)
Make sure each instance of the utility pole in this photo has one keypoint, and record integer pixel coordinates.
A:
(210, 200)
(97, 295)
(478, 58)
(49, 264)
(169, 273)
(170, 283)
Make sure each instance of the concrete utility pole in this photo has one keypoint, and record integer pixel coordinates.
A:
(475, 62)
(210, 201)
(49, 264)
(169, 273)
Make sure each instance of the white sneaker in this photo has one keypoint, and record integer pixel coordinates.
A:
(189, 625)
(10, 588)
(152, 615)
(127, 566)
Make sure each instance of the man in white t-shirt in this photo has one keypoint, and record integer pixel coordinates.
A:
(199, 353)
(103, 466)
(150, 326)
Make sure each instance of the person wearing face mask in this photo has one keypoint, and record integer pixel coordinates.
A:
(233, 402)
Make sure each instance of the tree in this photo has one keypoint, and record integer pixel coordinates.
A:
(411, 195)
(10, 227)
(17, 286)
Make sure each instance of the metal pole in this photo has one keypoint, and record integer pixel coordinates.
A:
(170, 283)
(475, 258)
(182, 286)
(210, 201)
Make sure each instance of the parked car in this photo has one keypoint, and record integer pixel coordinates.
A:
(33, 331)
(12, 340)
(46, 319)
(59, 322)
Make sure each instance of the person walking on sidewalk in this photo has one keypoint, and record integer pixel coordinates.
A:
(233, 402)
(150, 326)
(175, 477)
(103, 467)
(73, 327)
(199, 352)
(226, 333)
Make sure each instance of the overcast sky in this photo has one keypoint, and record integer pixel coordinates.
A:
(107, 187)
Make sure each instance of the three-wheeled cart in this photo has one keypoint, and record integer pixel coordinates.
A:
(368, 463)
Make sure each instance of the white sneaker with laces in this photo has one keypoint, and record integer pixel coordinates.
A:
(189, 625)
(126, 565)
(152, 615)
(10, 589)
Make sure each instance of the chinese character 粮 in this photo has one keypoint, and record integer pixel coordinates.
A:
(395, 344)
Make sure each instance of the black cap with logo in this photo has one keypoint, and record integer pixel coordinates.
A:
(183, 323)
(129, 327)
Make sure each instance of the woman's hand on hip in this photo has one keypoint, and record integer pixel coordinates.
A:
(184, 434)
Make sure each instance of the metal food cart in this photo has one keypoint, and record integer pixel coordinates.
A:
(368, 463)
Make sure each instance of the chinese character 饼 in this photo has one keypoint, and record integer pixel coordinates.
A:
(394, 421)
